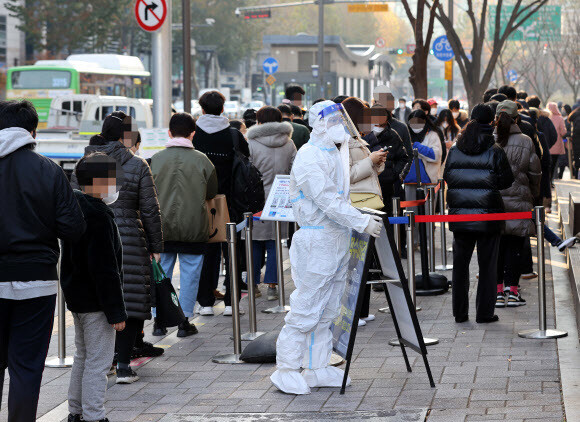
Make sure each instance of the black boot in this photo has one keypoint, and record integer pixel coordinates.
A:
(186, 329)
(74, 418)
(158, 330)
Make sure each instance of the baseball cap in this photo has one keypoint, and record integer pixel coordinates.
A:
(509, 107)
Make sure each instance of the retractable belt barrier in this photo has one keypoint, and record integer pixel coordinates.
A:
(524, 215)
(416, 203)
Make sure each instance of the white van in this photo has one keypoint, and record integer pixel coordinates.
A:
(99, 107)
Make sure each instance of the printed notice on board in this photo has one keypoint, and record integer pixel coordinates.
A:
(278, 205)
(152, 141)
(342, 326)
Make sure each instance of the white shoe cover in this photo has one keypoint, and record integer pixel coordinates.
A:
(325, 377)
(289, 381)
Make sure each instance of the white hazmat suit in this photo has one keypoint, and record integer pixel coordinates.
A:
(319, 255)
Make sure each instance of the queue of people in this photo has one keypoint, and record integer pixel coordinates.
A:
(126, 212)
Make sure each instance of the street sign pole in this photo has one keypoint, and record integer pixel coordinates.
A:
(186, 14)
(450, 81)
(161, 72)
(321, 48)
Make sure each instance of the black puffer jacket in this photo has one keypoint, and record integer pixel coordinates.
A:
(138, 217)
(398, 160)
(475, 172)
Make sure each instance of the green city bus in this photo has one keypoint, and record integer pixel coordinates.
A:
(97, 74)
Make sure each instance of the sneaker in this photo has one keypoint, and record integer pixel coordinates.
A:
(112, 369)
(104, 420)
(500, 300)
(186, 329)
(567, 243)
(515, 300)
(272, 293)
(74, 418)
(196, 308)
(158, 330)
(362, 323)
(218, 295)
(257, 292)
(126, 376)
(228, 311)
(206, 311)
(494, 318)
(147, 350)
(529, 276)
(369, 318)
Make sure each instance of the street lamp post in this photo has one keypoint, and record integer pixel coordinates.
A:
(186, 13)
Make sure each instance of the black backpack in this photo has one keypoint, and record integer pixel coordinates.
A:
(247, 188)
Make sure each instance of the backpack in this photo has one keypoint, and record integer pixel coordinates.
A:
(247, 188)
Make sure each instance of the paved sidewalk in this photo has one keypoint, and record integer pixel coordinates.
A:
(482, 372)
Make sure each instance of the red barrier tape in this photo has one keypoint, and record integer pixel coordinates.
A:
(416, 203)
(525, 215)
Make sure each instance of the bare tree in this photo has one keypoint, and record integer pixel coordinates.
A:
(537, 68)
(476, 75)
(566, 53)
(418, 71)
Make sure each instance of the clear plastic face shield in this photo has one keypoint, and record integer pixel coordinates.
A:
(339, 126)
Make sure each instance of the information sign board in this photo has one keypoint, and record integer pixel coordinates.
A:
(278, 206)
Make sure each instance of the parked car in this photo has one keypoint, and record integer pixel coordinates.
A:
(232, 109)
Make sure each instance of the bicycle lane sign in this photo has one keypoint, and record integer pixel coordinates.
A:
(442, 49)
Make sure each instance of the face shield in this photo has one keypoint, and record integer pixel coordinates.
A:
(339, 126)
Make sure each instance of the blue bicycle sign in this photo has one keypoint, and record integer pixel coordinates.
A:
(442, 49)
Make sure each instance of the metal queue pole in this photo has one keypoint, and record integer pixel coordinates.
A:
(253, 333)
(543, 332)
(396, 234)
(410, 229)
(396, 227)
(61, 361)
(282, 307)
(431, 226)
(234, 283)
(444, 266)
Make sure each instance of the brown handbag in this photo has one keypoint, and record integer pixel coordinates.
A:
(218, 216)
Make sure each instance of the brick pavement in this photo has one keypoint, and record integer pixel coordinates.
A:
(482, 372)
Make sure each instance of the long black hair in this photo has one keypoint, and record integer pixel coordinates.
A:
(452, 127)
(114, 127)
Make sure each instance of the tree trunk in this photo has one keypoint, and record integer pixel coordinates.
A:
(418, 73)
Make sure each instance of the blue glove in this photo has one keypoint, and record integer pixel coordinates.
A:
(424, 150)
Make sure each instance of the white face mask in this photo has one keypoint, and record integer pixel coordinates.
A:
(377, 130)
(337, 134)
(455, 114)
(433, 112)
(402, 106)
(417, 127)
(444, 125)
(111, 198)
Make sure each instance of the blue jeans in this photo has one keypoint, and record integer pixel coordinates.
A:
(260, 246)
(551, 237)
(190, 272)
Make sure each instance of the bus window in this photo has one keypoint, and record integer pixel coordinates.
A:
(78, 106)
(40, 79)
(105, 111)
(65, 109)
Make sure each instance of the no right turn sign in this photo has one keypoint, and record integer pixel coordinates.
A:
(150, 14)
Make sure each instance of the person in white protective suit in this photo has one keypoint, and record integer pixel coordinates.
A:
(319, 255)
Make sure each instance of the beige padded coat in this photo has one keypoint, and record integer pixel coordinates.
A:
(364, 175)
(272, 151)
(527, 173)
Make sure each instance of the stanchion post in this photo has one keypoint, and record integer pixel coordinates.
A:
(61, 361)
(396, 227)
(431, 226)
(542, 332)
(234, 282)
(253, 333)
(281, 308)
(444, 266)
